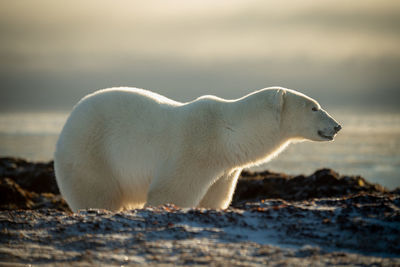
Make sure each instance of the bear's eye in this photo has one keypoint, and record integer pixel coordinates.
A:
(314, 109)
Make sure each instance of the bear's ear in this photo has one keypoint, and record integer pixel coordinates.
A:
(279, 102)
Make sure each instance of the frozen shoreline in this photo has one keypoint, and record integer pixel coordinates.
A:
(360, 230)
(275, 219)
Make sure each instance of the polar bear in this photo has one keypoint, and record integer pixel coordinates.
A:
(124, 148)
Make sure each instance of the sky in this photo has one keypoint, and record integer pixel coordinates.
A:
(345, 54)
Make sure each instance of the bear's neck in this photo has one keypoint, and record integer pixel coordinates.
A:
(251, 136)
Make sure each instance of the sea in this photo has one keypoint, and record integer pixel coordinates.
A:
(368, 145)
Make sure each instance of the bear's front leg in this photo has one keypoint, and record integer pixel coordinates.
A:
(183, 188)
(219, 195)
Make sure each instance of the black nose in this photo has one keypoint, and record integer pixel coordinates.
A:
(337, 128)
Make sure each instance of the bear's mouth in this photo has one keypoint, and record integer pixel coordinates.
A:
(325, 136)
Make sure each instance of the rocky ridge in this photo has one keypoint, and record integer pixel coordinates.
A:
(275, 219)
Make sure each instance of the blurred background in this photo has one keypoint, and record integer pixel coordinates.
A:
(345, 54)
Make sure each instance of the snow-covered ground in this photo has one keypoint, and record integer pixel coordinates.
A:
(363, 229)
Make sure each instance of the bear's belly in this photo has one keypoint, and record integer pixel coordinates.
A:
(134, 178)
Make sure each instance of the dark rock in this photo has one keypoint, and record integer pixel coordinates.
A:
(23, 182)
(36, 177)
(326, 177)
(12, 196)
(323, 183)
(28, 185)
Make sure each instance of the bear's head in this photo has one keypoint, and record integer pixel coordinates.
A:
(301, 117)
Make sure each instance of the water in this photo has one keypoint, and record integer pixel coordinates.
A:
(368, 145)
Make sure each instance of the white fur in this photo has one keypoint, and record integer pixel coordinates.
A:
(122, 148)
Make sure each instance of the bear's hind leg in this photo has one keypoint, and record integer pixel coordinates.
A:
(90, 187)
(219, 196)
